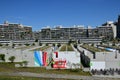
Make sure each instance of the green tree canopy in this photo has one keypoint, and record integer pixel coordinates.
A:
(12, 58)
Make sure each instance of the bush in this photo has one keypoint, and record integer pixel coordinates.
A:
(25, 63)
(58, 45)
(92, 44)
(33, 44)
(46, 44)
(13, 45)
(40, 44)
(27, 44)
(21, 64)
(19, 44)
(53, 45)
(113, 44)
(69, 42)
(6, 44)
(75, 45)
(36, 40)
(1, 44)
(101, 43)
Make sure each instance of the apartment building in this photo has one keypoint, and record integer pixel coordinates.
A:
(118, 27)
(14, 31)
(75, 32)
(107, 30)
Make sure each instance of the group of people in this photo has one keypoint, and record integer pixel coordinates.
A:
(110, 71)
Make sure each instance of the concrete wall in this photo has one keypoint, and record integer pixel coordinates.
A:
(21, 54)
(70, 56)
(108, 57)
(112, 64)
(87, 53)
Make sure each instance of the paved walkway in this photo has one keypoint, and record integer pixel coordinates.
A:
(65, 76)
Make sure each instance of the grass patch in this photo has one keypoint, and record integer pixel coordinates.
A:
(63, 48)
(69, 48)
(9, 67)
(27, 78)
(24, 47)
(93, 49)
(114, 47)
(66, 48)
(42, 48)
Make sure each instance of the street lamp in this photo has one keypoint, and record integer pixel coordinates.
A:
(22, 53)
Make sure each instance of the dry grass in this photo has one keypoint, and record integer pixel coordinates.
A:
(27, 78)
(42, 48)
(93, 49)
(66, 48)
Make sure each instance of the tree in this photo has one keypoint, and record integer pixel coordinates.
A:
(25, 63)
(2, 57)
(12, 58)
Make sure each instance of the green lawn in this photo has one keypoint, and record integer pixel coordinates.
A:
(9, 67)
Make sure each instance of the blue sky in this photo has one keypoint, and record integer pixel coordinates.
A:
(41, 13)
